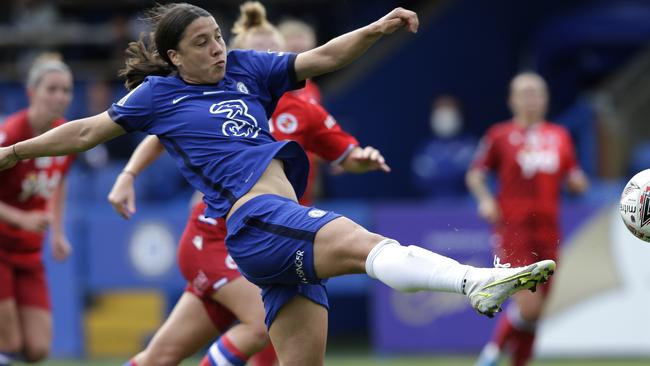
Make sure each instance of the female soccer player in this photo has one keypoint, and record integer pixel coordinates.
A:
(216, 291)
(532, 159)
(32, 196)
(212, 119)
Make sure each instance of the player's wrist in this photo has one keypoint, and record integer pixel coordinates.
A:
(374, 30)
(15, 153)
(127, 172)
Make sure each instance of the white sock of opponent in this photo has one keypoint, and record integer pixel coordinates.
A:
(413, 268)
(5, 359)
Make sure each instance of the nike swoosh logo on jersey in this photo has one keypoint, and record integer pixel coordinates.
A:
(213, 92)
(176, 100)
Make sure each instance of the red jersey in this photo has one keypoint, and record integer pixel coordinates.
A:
(310, 125)
(28, 185)
(530, 163)
(310, 93)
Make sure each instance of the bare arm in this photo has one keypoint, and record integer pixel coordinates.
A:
(10, 214)
(69, 138)
(57, 204)
(146, 153)
(344, 49)
(487, 205)
(35, 221)
(61, 248)
(122, 195)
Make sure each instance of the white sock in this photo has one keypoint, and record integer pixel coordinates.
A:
(412, 268)
(5, 359)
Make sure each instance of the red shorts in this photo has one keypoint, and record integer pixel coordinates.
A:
(22, 278)
(527, 241)
(205, 263)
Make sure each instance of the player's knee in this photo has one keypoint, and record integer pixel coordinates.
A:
(11, 343)
(530, 314)
(35, 352)
(256, 335)
(259, 337)
(361, 241)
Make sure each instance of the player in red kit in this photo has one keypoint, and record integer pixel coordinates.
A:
(300, 37)
(32, 196)
(531, 158)
(216, 293)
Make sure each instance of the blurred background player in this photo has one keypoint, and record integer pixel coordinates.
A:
(300, 37)
(216, 293)
(439, 163)
(32, 197)
(531, 158)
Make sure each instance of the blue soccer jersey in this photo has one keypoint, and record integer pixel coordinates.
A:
(218, 134)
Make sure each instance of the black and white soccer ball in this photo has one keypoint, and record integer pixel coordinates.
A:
(634, 206)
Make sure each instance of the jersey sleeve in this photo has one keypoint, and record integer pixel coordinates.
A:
(486, 156)
(277, 71)
(134, 111)
(325, 137)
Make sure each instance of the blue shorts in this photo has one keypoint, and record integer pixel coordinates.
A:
(271, 238)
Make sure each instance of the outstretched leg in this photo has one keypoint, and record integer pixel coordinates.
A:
(342, 246)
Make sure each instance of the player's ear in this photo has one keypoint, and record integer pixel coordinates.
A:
(175, 57)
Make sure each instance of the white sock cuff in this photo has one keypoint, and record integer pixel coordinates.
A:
(374, 252)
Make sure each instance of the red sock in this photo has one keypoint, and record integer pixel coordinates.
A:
(205, 361)
(265, 357)
(522, 349)
(503, 333)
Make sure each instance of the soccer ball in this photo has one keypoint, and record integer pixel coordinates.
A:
(635, 205)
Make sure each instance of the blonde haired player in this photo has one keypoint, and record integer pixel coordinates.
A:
(531, 158)
(32, 198)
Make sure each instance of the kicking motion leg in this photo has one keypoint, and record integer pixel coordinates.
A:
(342, 246)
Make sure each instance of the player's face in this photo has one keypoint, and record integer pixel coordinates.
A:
(53, 94)
(300, 43)
(201, 54)
(264, 41)
(529, 98)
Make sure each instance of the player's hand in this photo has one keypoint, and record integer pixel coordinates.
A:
(122, 195)
(361, 160)
(7, 158)
(61, 248)
(396, 19)
(35, 221)
(488, 209)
